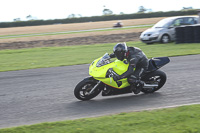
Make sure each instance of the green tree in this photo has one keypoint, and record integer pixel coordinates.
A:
(142, 9)
(107, 11)
(74, 16)
(29, 17)
(187, 8)
(17, 19)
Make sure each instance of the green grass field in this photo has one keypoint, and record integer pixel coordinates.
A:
(185, 119)
(72, 55)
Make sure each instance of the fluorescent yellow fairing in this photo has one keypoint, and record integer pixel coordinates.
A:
(99, 73)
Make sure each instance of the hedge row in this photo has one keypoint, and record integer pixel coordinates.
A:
(97, 18)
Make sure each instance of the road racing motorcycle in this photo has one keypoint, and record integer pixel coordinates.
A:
(103, 69)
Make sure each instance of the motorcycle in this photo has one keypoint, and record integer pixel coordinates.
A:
(103, 69)
(117, 25)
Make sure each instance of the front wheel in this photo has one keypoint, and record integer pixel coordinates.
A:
(165, 38)
(83, 88)
(157, 77)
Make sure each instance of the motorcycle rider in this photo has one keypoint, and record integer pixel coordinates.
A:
(138, 64)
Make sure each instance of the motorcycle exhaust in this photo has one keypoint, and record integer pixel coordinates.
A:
(146, 86)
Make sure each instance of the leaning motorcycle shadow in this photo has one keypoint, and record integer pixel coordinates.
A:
(115, 104)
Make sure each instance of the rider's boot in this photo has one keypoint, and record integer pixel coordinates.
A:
(137, 86)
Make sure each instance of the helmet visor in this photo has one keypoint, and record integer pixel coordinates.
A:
(119, 55)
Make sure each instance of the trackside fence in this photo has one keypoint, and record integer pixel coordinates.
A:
(188, 34)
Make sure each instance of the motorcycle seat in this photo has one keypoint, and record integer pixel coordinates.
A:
(158, 62)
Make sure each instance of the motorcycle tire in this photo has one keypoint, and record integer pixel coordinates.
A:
(83, 87)
(156, 76)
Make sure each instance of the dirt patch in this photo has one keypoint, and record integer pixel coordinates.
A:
(74, 35)
(112, 38)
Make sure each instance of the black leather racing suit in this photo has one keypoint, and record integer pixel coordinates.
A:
(138, 64)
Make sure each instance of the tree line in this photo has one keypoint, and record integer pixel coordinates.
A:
(106, 17)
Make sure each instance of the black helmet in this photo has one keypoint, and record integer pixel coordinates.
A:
(119, 50)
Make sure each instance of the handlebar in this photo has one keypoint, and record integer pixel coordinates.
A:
(112, 73)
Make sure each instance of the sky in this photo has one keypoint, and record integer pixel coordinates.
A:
(60, 9)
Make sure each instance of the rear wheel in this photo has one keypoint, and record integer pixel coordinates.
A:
(157, 77)
(83, 88)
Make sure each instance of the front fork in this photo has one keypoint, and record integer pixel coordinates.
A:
(98, 83)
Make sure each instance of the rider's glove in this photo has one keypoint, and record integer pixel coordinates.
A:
(116, 77)
(112, 55)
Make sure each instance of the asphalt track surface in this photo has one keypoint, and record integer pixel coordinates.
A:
(46, 94)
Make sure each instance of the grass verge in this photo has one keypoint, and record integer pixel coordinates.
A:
(185, 119)
(73, 55)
